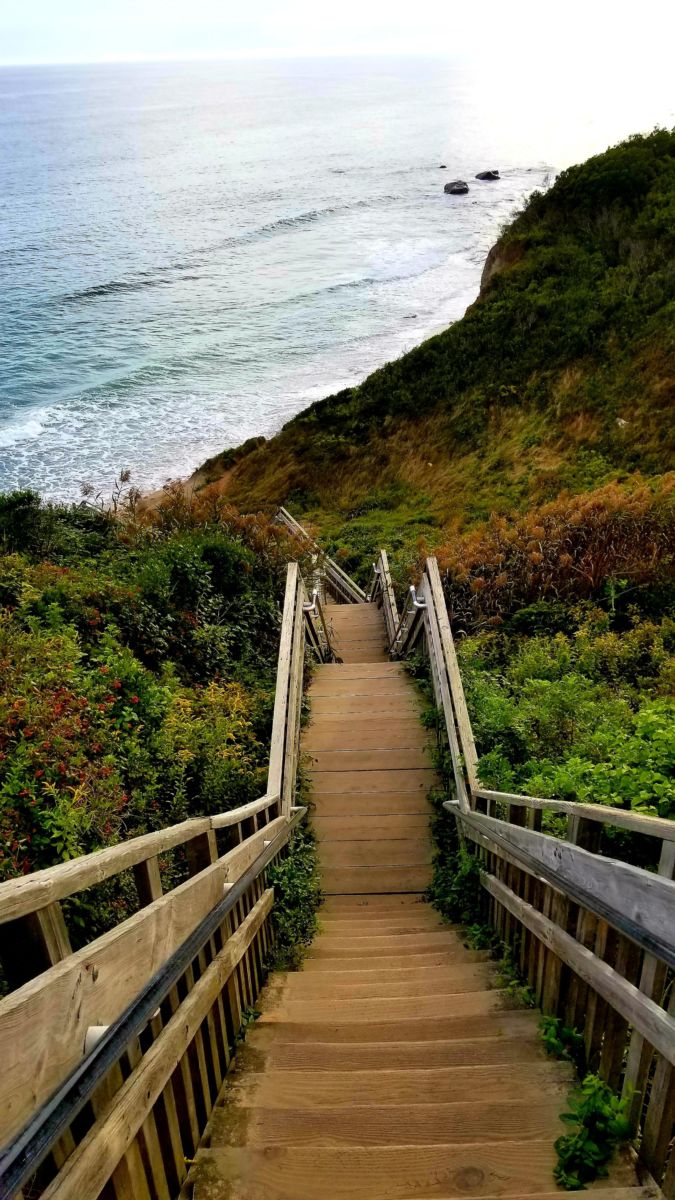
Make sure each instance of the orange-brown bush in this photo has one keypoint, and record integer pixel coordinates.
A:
(181, 509)
(571, 548)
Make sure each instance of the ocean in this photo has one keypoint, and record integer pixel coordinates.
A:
(190, 253)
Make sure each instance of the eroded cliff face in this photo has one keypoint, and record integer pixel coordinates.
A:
(502, 256)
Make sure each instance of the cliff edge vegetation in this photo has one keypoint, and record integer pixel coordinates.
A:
(559, 379)
(529, 446)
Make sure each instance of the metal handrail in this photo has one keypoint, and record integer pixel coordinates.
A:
(22, 1157)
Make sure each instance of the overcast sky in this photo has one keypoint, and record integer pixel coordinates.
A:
(637, 37)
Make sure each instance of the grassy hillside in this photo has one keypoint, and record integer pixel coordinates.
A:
(560, 378)
(529, 446)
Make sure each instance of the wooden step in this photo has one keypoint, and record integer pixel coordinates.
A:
(418, 781)
(381, 1056)
(364, 905)
(401, 943)
(376, 852)
(423, 920)
(353, 733)
(410, 759)
(428, 1124)
(339, 671)
(403, 1008)
(360, 652)
(321, 1089)
(379, 1173)
(384, 984)
(335, 803)
(495, 1022)
(320, 962)
(363, 825)
(373, 706)
(391, 687)
(344, 880)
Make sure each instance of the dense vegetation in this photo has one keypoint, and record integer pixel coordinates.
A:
(138, 662)
(528, 447)
(559, 378)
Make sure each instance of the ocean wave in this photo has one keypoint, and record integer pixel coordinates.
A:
(165, 276)
(112, 288)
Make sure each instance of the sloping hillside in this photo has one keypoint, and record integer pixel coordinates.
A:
(559, 379)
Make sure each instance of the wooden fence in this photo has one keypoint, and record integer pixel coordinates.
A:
(593, 936)
(113, 1054)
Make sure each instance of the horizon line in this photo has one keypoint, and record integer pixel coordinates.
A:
(243, 56)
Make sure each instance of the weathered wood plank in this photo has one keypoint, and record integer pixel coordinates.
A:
(621, 817)
(21, 896)
(452, 667)
(43, 1024)
(617, 891)
(290, 761)
(88, 1169)
(279, 719)
(654, 1024)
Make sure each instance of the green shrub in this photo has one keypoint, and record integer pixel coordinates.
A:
(600, 1124)
(297, 896)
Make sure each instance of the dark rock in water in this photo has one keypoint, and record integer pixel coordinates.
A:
(442, 167)
(458, 187)
(487, 175)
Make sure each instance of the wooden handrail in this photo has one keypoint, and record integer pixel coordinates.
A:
(604, 814)
(382, 594)
(43, 1031)
(335, 578)
(416, 622)
(639, 904)
(594, 936)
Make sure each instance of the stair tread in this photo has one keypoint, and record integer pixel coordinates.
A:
(273, 1088)
(269, 1049)
(426, 1124)
(503, 1168)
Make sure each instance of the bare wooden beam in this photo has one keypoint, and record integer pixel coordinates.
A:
(452, 667)
(43, 1024)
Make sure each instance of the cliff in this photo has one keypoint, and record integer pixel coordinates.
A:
(558, 380)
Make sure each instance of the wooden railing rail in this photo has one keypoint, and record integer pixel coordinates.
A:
(130, 1115)
(595, 939)
(63, 999)
(593, 936)
(382, 594)
(425, 612)
(336, 581)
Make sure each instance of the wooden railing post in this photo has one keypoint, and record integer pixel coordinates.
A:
(201, 851)
(148, 881)
(279, 720)
(33, 943)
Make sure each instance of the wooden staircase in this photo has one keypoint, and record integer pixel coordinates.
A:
(392, 1066)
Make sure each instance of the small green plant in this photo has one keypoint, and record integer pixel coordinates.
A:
(481, 937)
(511, 980)
(249, 1017)
(297, 896)
(562, 1041)
(599, 1124)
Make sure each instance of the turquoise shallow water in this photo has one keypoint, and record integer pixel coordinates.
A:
(190, 253)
